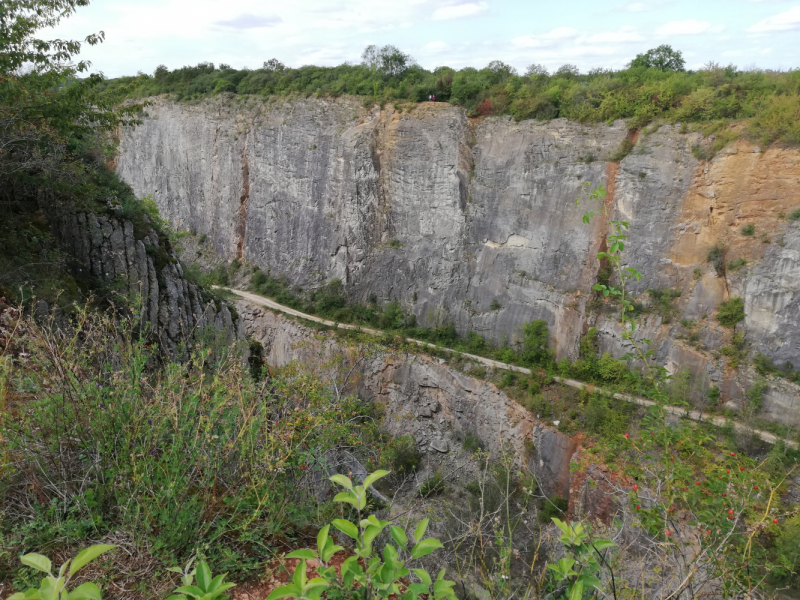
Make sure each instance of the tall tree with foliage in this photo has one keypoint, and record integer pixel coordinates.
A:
(48, 110)
(663, 58)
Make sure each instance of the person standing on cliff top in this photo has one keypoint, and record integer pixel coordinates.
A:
(433, 98)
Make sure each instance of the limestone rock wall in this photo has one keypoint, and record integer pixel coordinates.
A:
(446, 214)
(105, 248)
(426, 399)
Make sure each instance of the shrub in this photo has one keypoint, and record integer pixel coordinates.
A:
(625, 148)
(716, 256)
(495, 305)
(763, 364)
(554, 507)
(736, 351)
(534, 343)
(472, 443)
(737, 264)
(731, 312)
(755, 396)
(404, 455)
(610, 369)
(662, 301)
(748, 230)
(713, 393)
(432, 486)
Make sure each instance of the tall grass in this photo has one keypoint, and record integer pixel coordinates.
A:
(168, 459)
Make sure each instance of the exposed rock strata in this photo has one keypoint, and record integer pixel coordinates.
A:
(106, 249)
(426, 399)
(447, 214)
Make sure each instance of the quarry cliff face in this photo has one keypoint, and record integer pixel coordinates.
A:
(447, 214)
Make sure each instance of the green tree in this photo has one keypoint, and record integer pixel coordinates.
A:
(534, 343)
(663, 58)
(47, 109)
(731, 312)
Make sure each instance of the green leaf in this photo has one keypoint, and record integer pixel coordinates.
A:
(398, 535)
(203, 576)
(576, 591)
(346, 497)
(346, 527)
(589, 581)
(329, 551)
(89, 554)
(420, 530)
(423, 576)
(285, 591)
(177, 597)
(177, 570)
(306, 554)
(419, 588)
(322, 539)
(425, 547)
(299, 577)
(603, 544)
(37, 561)
(190, 590)
(373, 477)
(342, 481)
(216, 584)
(87, 591)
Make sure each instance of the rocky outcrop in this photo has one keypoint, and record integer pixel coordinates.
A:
(446, 215)
(425, 398)
(145, 271)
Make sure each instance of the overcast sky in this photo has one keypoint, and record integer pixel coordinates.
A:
(142, 34)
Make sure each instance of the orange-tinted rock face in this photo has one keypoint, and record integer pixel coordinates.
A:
(452, 217)
(742, 186)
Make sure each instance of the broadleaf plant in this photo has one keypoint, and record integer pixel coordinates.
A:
(365, 575)
(56, 587)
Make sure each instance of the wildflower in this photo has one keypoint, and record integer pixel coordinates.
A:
(733, 453)
(635, 487)
(755, 487)
(775, 521)
(626, 436)
(303, 467)
(730, 511)
(638, 507)
(697, 483)
(668, 532)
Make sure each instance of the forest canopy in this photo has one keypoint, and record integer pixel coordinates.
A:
(655, 85)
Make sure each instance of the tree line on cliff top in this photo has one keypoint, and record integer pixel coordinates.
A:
(654, 86)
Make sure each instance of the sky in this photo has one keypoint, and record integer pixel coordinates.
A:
(142, 34)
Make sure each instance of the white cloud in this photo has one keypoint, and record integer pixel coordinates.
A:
(435, 47)
(784, 21)
(546, 40)
(625, 34)
(688, 27)
(459, 11)
(249, 21)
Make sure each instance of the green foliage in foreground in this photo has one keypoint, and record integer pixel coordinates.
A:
(56, 587)
(364, 575)
(654, 86)
(179, 458)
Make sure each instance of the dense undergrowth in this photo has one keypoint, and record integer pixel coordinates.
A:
(770, 101)
(102, 438)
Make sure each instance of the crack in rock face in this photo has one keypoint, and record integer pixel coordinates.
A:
(451, 217)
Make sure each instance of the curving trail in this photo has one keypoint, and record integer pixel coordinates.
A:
(694, 415)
